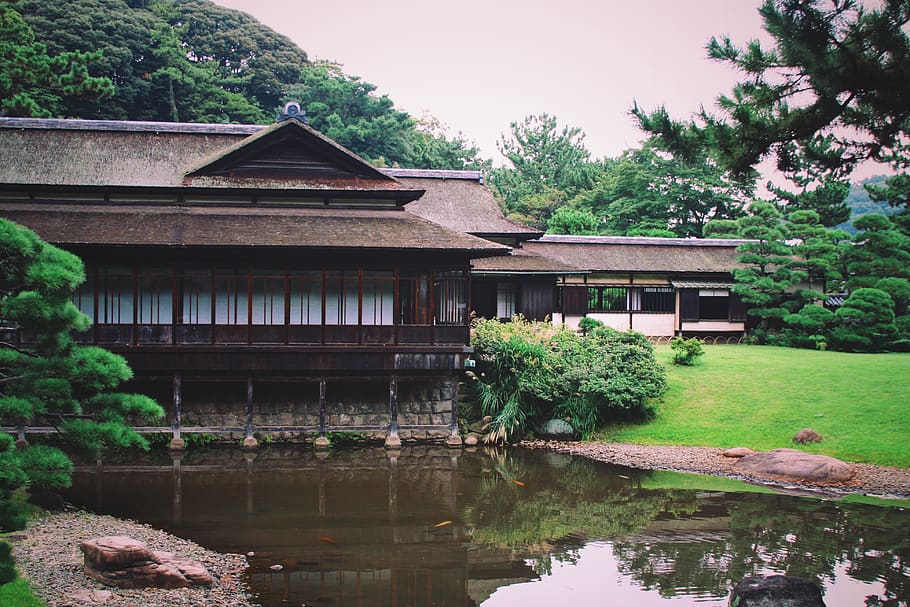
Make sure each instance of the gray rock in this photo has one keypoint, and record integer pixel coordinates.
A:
(776, 591)
(795, 466)
(556, 429)
(472, 439)
(807, 435)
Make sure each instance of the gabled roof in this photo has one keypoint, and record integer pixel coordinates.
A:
(459, 201)
(638, 254)
(290, 148)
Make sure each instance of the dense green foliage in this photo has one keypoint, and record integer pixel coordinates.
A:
(195, 61)
(46, 378)
(759, 397)
(36, 82)
(529, 372)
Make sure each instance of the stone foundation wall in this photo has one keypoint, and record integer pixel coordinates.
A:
(349, 404)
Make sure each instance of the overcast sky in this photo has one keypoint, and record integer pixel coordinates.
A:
(479, 65)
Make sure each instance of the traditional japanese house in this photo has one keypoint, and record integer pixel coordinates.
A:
(658, 286)
(257, 279)
(520, 283)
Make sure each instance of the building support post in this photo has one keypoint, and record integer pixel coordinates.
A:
(454, 439)
(249, 441)
(177, 442)
(322, 442)
(392, 441)
(21, 441)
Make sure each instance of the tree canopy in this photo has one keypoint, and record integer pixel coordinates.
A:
(195, 61)
(829, 93)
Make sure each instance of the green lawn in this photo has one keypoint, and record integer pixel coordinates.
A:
(760, 396)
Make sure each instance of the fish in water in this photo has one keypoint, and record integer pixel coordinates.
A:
(442, 524)
(327, 540)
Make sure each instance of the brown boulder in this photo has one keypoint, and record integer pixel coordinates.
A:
(737, 452)
(807, 435)
(114, 551)
(126, 563)
(795, 466)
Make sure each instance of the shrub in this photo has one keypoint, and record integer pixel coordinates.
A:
(686, 351)
(587, 323)
(529, 372)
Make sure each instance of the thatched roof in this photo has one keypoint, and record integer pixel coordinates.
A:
(285, 156)
(633, 254)
(523, 261)
(459, 201)
(249, 226)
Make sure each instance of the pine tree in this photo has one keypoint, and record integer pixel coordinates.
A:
(48, 379)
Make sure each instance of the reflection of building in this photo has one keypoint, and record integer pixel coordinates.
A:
(357, 528)
(263, 268)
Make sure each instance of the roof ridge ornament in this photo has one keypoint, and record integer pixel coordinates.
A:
(292, 110)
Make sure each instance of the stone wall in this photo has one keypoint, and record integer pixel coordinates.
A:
(362, 406)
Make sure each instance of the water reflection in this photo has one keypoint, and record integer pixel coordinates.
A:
(429, 526)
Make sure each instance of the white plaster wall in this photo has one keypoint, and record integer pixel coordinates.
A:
(619, 321)
(654, 325)
(714, 326)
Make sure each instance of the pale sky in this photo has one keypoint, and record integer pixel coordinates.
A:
(479, 65)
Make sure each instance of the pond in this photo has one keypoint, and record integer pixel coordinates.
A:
(431, 526)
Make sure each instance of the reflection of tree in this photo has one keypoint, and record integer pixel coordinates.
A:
(676, 541)
(549, 512)
(768, 533)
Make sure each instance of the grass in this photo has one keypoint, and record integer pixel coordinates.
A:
(18, 594)
(760, 396)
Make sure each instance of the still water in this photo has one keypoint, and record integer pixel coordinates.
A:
(430, 526)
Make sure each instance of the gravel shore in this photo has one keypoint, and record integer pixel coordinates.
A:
(879, 481)
(48, 555)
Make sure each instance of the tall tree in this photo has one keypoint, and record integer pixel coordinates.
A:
(766, 274)
(646, 190)
(545, 161)
(880, 250)
(44, 375)
(34, 82)
(830, 92)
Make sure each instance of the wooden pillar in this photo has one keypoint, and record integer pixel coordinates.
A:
(392, 441)
(249, 441)
(454, 439)
(177, 441)
(178, 491)
(322, 442)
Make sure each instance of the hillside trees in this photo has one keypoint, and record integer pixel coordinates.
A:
(45, 377)
(194, 61)
(37, 82)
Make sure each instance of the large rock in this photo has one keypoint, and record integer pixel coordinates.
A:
(126, 563)
(556, 429)
(795, 466)
(776, 591)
